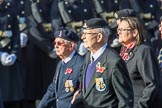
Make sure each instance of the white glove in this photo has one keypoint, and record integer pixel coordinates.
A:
(3, 56)
(23, 39)
(8, 59)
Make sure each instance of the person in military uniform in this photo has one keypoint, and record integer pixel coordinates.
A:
(150, 15)
(67, 76)
(11, 79)
(71, 13)
(37, 53)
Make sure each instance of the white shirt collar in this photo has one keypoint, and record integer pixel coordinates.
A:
(99, 52)
(69, 57)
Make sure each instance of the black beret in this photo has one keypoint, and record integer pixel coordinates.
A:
(67, 34)
(161, 18)
(95, 23)
(125, 13)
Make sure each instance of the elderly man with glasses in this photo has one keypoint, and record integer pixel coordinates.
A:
(105, 82)
(67, 76)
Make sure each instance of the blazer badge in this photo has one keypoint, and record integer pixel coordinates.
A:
(100, 85)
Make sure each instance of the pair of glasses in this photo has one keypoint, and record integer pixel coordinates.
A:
(88, 33)
(59, 43)
(123, 30)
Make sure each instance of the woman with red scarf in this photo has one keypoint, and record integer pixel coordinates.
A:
(140, 59)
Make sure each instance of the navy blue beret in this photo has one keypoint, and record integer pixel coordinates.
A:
(95, 23)
(67, 34)
(125, 13)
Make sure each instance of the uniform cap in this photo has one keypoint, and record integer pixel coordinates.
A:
(95, 23)
(67, 35)
(125, 13)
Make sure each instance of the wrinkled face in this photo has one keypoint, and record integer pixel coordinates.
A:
(90, 38)
(160, 29)
(63, 47)
(125, 33)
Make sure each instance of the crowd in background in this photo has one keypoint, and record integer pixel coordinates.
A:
(27, 28)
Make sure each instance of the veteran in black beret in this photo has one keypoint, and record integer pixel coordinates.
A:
(66, 80)
(67, 35)
(105, 80)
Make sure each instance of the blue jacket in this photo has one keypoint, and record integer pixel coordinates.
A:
(64, 89)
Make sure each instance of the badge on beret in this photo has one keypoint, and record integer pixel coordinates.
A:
(85, 25)
(100, 85)
(60, 34)
(69, 86)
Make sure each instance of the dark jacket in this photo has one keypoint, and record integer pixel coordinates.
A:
(10, 76)
(145, 76)
(117, 91)
(63, 94)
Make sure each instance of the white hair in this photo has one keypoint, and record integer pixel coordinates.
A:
(105, 31)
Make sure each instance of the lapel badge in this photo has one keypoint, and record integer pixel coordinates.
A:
(99, 68)
(69, 86)
(130, 56)
(60, 34)
(100, 85)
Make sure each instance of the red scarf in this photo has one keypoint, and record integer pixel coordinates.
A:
(125, 51)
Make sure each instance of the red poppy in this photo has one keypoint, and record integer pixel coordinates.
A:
(68, 71)
(100, 69)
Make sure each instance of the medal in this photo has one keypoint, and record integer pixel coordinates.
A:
(67, 89)
(71, 89)
(69, 86)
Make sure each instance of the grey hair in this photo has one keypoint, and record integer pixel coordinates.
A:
(75, 44)
(105, 31)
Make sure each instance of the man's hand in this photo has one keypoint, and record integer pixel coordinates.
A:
(74, 96)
